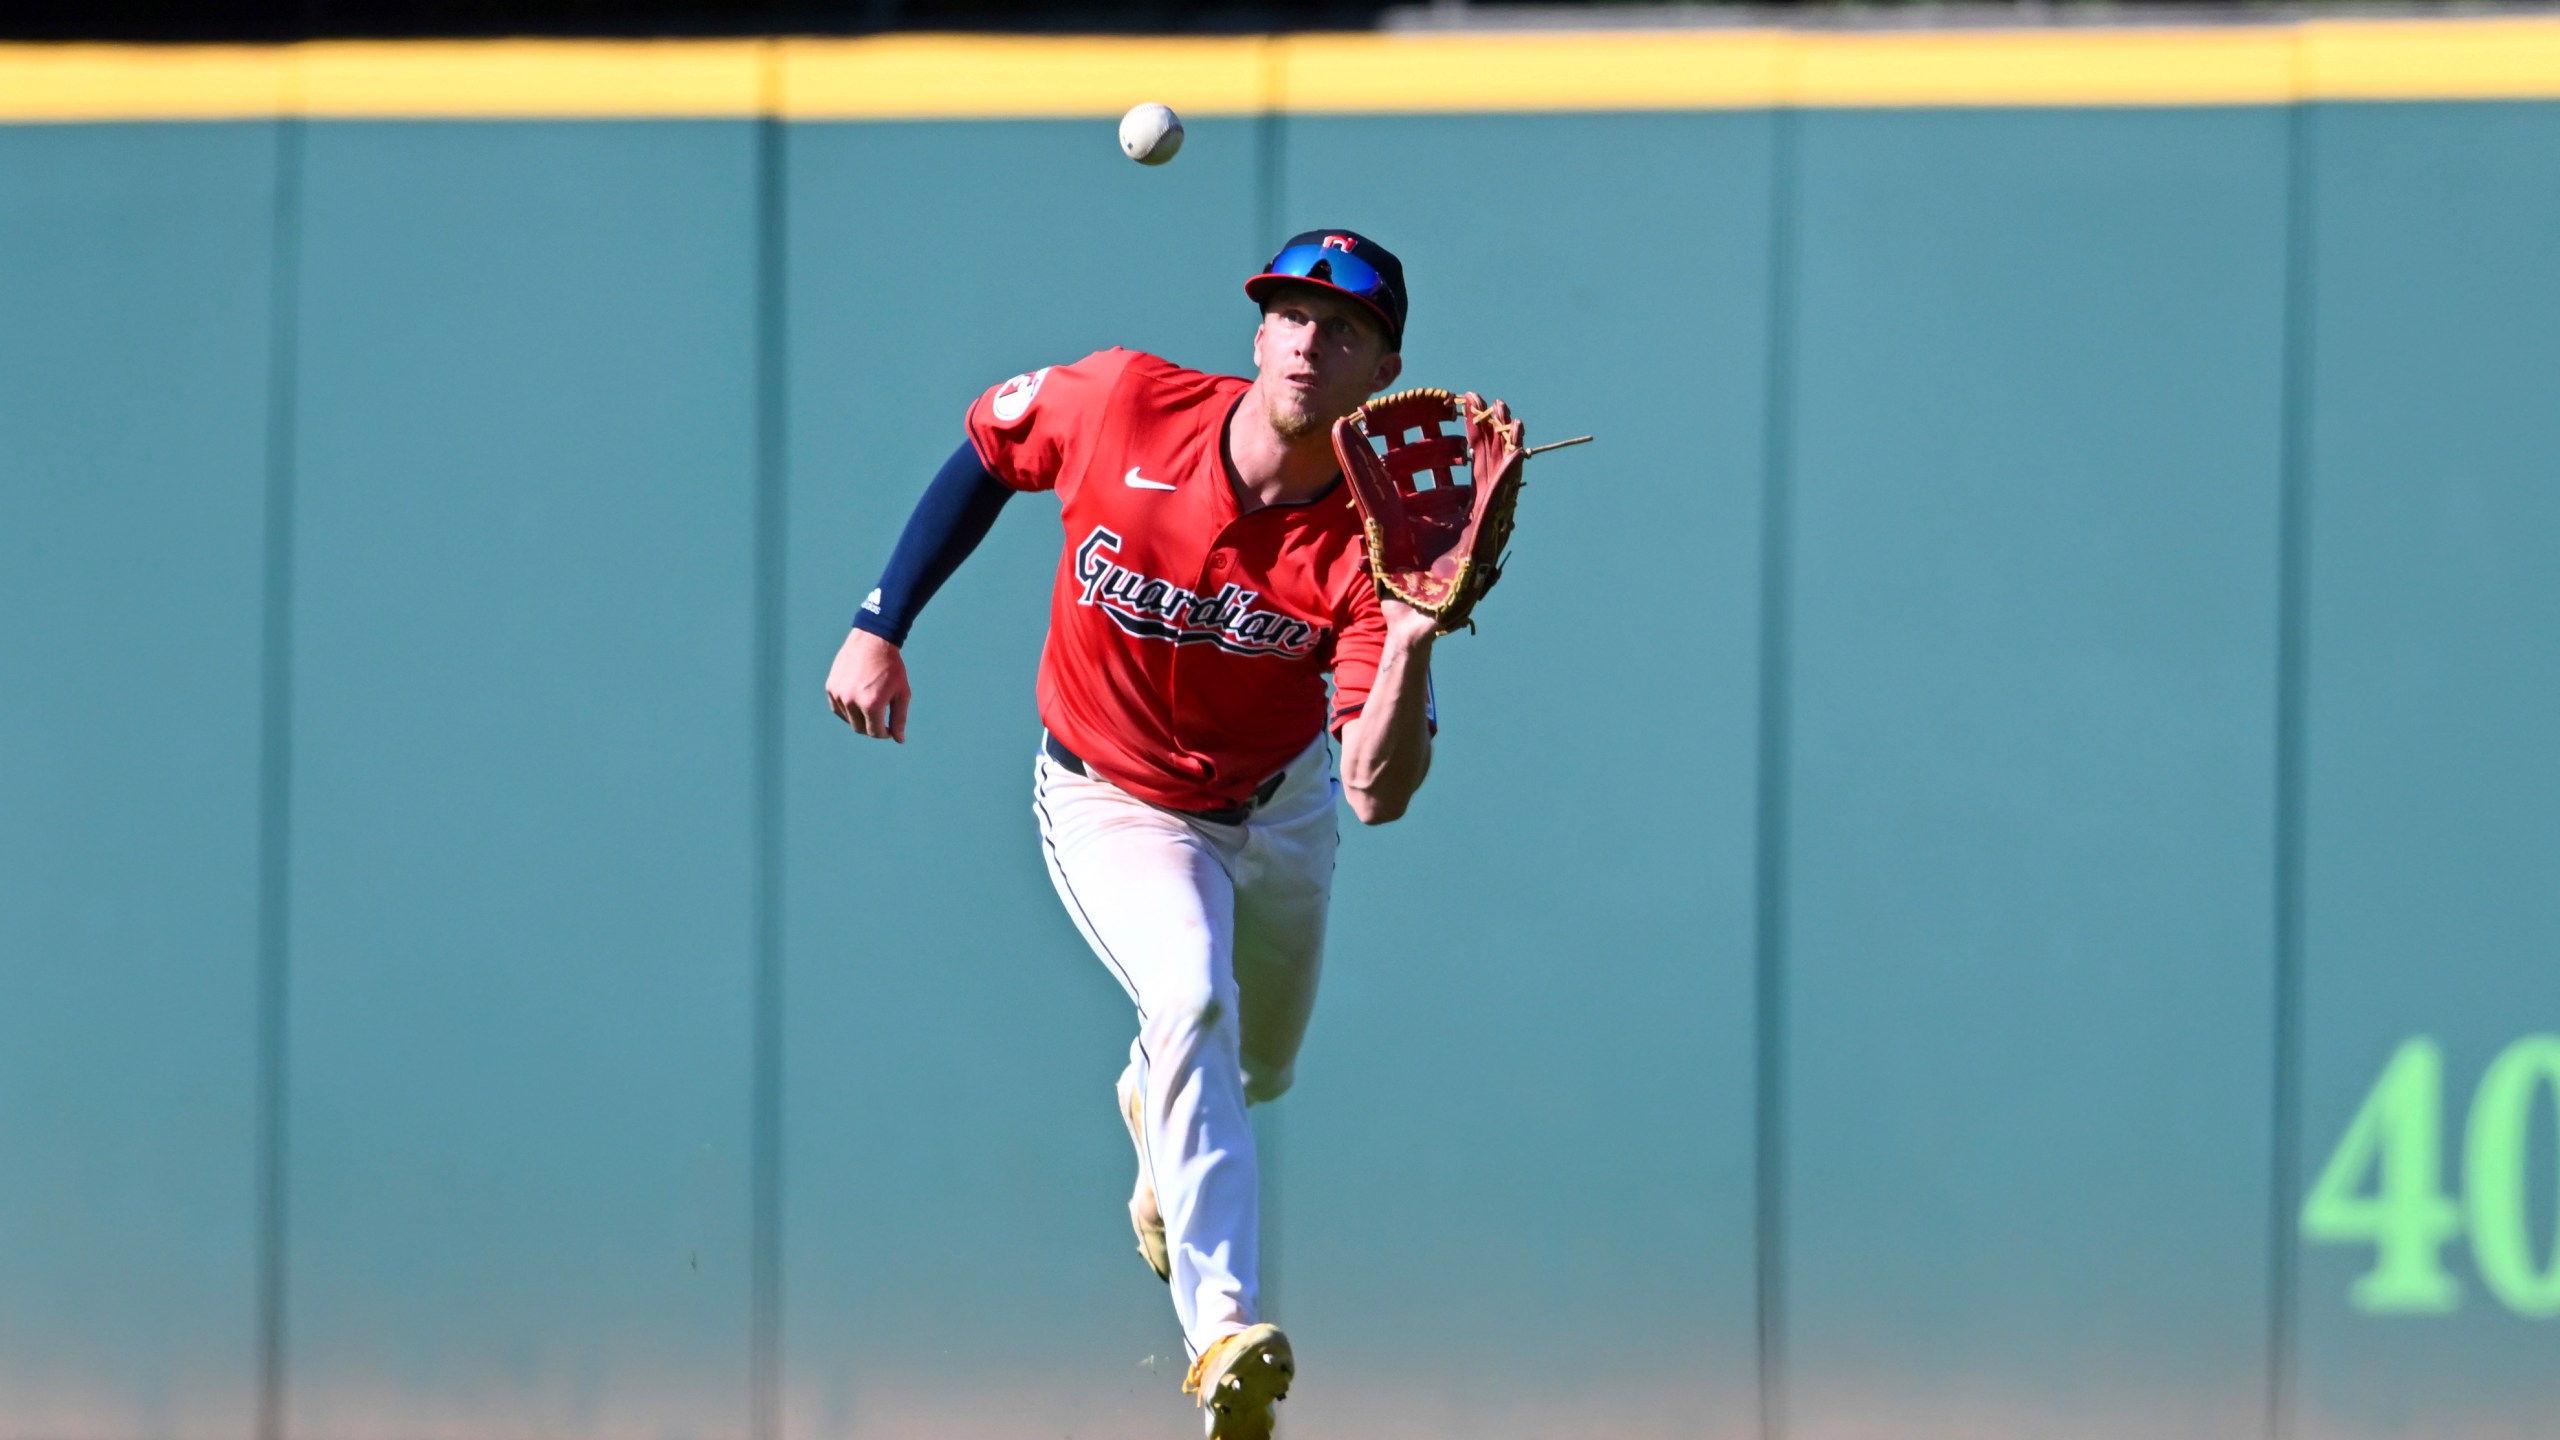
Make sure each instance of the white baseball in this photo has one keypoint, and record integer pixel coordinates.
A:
(1150, 134)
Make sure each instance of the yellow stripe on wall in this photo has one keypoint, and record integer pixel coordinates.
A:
(962, 77)
(1516, 70)
(120, 82)
(2471, 60)
(539, 79)
(2044, 67)
(958, 77)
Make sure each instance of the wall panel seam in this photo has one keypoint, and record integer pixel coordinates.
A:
(769, 640)
(1771, 833)
(275, 780)
(2292, 640)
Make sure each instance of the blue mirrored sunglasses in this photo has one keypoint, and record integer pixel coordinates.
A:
(1338, 268)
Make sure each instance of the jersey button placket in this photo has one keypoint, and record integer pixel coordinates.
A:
(1212, 578)
(1214, 574)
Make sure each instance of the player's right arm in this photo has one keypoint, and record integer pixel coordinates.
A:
(1021, 435)
(867, 686)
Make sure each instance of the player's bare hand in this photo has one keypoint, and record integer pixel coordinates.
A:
(1407, 627)
(867, 686)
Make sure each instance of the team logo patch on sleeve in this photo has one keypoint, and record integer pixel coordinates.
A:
(1155, 609)
(1014, 396)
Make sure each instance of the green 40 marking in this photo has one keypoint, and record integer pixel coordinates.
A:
(2397, 1138)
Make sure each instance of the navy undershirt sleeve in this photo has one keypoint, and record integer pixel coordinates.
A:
(957, 510)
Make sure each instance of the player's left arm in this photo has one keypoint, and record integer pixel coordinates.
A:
(1386, 746)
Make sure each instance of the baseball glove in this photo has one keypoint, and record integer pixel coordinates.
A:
(1434, 543)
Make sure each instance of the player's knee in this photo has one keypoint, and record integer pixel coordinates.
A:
(1187, 1011)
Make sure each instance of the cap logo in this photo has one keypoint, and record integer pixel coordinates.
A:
(1338, 242)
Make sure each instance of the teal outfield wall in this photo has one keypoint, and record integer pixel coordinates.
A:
(1989, 874)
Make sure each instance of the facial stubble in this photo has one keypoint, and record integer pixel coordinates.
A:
(1293, 423)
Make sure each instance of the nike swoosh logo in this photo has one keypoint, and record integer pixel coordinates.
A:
(1136, 481)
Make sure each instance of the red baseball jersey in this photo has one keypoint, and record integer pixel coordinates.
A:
(1188, 638)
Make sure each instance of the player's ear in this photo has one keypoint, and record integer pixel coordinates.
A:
(1390, 366)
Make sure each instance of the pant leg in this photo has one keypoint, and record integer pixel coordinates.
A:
(1153, 895)
(1284, 884)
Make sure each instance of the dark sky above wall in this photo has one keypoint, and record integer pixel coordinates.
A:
(296, 19)
(272, 20)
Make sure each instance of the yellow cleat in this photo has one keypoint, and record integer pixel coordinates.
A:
(1239, 1378)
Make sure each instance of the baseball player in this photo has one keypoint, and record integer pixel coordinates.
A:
(1213, 575)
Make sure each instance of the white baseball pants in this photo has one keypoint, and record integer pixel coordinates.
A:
(1217, 933)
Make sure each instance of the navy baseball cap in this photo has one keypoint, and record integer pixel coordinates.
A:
(1345, 262)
